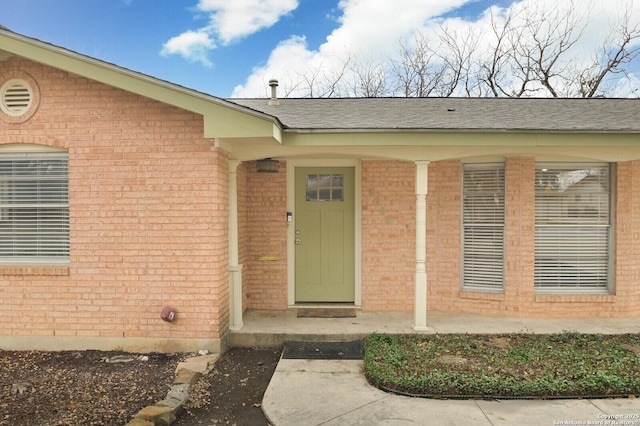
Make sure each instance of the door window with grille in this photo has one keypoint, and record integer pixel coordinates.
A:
(324, 187)
(34, 208)
(572, 227)
(483, 224)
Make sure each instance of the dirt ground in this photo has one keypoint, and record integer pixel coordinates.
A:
(232, 393)
(109, 388)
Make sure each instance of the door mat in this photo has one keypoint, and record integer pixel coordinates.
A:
(326, 313)
(323, 350)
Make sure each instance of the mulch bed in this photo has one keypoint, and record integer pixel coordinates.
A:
(81, 388)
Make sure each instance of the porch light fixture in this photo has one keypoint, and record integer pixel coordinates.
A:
(268, 165)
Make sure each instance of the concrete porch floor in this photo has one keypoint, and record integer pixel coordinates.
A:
(274, 327)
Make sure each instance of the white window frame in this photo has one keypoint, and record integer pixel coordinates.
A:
(573, 250)
(483, 227)
(34, 208)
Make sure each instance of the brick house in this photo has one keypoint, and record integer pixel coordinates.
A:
(122, 194)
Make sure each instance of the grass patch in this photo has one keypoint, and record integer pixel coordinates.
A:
(510, 365)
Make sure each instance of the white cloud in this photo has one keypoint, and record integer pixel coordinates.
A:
(376, 25)
(230, 20)
(192, 45)
(370, 30)
(286, 62)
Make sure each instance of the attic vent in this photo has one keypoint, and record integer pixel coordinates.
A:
(17, 97)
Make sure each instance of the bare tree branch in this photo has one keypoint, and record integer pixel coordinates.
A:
(495, 69)
(370, 79)
(618, 49)
(417, 73)
(459, 48)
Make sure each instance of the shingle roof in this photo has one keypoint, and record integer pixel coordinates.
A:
(453, 114)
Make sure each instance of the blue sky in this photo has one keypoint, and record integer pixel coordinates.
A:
(132, 34)
(232, 47)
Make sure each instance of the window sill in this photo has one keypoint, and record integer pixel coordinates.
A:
(34, 270)
(480, 295)
(574, 298)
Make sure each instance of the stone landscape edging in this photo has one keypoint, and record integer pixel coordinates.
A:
(163, 412)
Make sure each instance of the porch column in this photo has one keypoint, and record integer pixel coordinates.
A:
(235, 269)
(420, 306)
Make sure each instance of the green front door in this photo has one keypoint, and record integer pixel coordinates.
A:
(324, 234)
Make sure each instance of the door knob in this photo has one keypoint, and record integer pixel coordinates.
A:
(298, 241)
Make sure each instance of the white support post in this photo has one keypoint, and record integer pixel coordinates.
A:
(235, 269)
(420, 306)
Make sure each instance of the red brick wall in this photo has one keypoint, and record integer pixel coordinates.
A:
(265, 228)
(443, 234)
(627, 224)
(520, 219)
(148, 217)
(388, 235)
(627, 268)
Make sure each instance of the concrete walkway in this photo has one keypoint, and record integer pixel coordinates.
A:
(318, 392)
(321, 392)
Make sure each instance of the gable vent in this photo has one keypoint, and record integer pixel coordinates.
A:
(17, 97)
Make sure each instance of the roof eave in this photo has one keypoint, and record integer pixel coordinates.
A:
(456, 130)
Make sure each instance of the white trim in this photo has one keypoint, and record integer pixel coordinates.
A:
(420, 280)
(235, 269)
(291, 270)
(29, 147)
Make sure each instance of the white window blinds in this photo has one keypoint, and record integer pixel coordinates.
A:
(572, 227)
(483, 223)
(34, 208)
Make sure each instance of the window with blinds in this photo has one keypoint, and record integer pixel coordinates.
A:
(572, 227)
(483, 227)
(34, 208)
